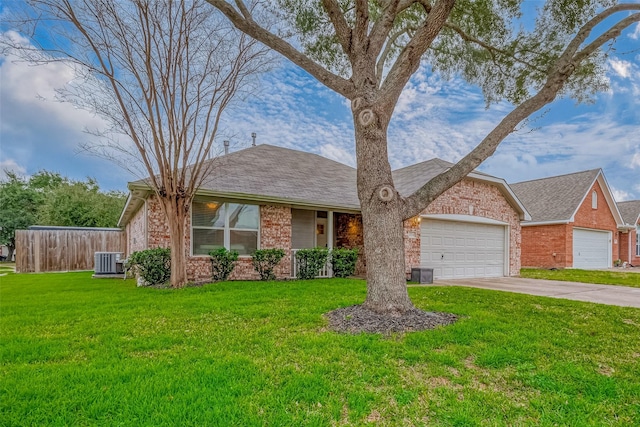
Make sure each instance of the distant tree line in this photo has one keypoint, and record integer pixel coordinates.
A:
(48, 198)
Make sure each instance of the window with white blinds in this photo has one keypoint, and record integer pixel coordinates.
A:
(216, 225)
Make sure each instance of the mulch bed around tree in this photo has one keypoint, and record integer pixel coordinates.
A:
(356, 319)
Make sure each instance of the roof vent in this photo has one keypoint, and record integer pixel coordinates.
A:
(253, 136)
(226, 146)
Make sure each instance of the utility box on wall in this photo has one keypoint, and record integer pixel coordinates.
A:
(422, 275)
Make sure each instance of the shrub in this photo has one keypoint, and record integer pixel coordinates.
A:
(265, 260)
(223, 262)
(343, 262)
(153, 266)
(310, 261)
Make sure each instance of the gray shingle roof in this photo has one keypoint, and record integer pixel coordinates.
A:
(556, 198)
(408, 179)
(270, 173)
(630, 211)
(281, 173)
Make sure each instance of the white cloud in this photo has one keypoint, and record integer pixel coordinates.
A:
(620, 195)
(10, 165)
(636, 33)
(339, 154)
(621, 67)
(635, 160)
(33, 88)
(38, 131)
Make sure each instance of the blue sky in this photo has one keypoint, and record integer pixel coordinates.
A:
(434, 118)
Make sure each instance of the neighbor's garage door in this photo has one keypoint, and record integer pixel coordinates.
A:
(591, 248)
(462, 249)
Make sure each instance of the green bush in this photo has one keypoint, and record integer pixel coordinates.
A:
(265, 260)
(153, 266)
(223, 262)
(343, 261)
(310, 261)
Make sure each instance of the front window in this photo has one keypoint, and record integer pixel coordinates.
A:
(638, 240)
(224, 225)
(594, 200)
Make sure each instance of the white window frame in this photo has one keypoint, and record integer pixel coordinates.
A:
(594, 200)
(638, 240)
(226, 229)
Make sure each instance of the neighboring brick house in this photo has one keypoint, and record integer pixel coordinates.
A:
(272, 197)
(629, 234)
(574, 221)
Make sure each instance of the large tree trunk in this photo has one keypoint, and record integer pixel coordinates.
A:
(381, 216)
(176, 210)
(11, 248)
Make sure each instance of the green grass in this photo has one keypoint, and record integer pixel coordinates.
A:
(7, 267)
(585, 276)
(80, 351)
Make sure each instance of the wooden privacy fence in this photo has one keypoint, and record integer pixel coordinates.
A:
(64, 249)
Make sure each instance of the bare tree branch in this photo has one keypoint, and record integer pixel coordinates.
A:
(161, 73)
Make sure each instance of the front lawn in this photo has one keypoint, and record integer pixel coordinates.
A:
(585, 276)
(81, 351)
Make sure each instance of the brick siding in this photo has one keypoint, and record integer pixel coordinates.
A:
(275, 232)
(627, 246)
(468, 197)
(541, 242)
(547, 246)
(136, 232)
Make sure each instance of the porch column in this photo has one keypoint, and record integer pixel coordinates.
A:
(329, 230)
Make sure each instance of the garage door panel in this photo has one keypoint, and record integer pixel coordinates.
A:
(469, 249)
(591, 248)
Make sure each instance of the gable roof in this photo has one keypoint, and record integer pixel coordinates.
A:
(556, 199)
(267, 172)
(630, 211)
(270, 174)
(409, 179)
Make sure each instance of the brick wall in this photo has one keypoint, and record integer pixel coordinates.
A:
(465, 198)
(541, 242)
(468, 197)
(547, 246)
(411, 244)
(275, 232)
(136, 232)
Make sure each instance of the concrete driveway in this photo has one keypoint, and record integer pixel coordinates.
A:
(604, 294)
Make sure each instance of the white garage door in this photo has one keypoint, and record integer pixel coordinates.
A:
(462, 249)
(591, 248)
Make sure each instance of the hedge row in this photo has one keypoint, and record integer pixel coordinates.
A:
(153, 266)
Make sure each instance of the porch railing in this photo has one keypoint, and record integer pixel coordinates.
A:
(325, 271)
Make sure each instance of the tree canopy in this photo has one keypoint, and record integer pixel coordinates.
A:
(48, 198)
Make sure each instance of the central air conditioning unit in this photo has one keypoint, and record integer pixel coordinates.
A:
(106, 262)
